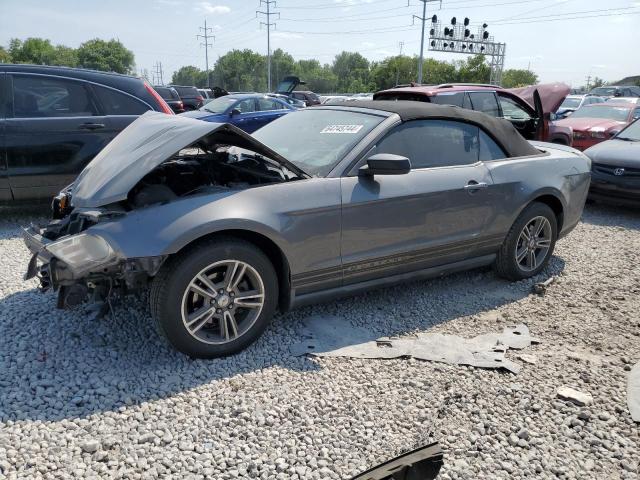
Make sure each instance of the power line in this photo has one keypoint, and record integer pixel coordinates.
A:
(268, 24)
(569, 16)
(398, 28)
(328, 5)
(206, 36)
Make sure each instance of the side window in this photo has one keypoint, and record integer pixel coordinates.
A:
(636, 113)
(485, 102)
(3, 95)
(433, 143)
(466, 103)
(117, 103)
(489, 150)
(449, 99)
(35, 96)
(265, 104)
(512, 111)
(246, 106)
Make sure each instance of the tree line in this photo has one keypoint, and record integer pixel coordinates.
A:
(349, 72)
(245, 70)
(96, 54)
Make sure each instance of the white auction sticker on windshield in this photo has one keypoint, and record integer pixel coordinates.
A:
(342, 129)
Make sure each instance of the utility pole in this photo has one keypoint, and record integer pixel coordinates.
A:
(401, 44)
(268, 24)
(588, 83)
(206, 36)
(157, 74)
(423, 18)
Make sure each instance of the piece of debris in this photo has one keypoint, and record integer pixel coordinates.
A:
(336, 337)
(526, 358)
(579, 398)
(633, 392)
(423, 463)
(541, 287)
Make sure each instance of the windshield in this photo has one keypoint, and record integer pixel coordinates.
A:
(570, 103)
(316, 140)
(219, 105)
(604, 91)
(619, 114)
(632, 132)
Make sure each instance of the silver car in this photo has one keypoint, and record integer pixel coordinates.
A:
(225, 227)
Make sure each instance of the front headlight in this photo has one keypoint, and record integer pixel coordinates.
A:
(83, 251)
(598, 133)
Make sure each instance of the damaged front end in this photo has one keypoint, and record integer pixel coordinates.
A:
(98, 245)
(83, 266)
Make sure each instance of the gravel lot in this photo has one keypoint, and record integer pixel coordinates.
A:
(84, 398)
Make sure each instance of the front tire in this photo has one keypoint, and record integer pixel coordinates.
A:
(216, 298)
(529, 244)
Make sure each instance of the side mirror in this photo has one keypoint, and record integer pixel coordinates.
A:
(235, 111)
(553, 116)
(385, 164)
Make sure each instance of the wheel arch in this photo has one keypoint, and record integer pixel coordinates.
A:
(553, 202)
(265, 244)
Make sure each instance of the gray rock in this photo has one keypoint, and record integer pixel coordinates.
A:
(579, 398)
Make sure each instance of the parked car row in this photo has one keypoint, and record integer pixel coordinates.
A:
(54, 120)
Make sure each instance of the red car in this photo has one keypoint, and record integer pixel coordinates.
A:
(596, 123)
(528, 109)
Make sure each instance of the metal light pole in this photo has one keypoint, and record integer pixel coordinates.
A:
(423, 18)
(268, 24)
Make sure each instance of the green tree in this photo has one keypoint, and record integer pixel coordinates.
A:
(37, 51)
(319, 78)
(282, 64)
(513, 78)
(351, 70)
(189, 75)
(241, 70)
(598, 82)
(5, 57)
(473, 70)
(109, 56)
(65, 56)
(391, 71)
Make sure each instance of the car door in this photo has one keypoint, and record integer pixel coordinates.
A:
(53, 130)
(5, 190)
(119, 107)
(246, 116)
(433, 215)
(521, 116)
(268, 110)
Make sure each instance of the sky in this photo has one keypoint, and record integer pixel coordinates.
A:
(545, 35)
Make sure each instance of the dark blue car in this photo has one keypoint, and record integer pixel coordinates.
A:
(248, 111)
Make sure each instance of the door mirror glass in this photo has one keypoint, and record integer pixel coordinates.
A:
(386, 164)
(235, 111)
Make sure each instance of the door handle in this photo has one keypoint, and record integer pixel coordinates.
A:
(91, 126)
(473, 186)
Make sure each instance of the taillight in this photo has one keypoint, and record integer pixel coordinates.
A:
(164, 107)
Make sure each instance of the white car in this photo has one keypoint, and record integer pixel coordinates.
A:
(573, 102)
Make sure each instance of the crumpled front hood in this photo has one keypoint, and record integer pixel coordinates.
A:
(620, 153)
(551, 95)
(584, 124)
(150, 140)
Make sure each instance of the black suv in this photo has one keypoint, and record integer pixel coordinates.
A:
(190, 96)
(54, 120)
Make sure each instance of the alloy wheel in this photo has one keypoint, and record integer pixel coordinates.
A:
(533, 243)
(222, 302)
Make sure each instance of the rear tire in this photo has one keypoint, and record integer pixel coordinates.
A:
(214, 299)
(529, 244)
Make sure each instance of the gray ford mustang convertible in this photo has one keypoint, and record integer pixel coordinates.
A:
(225, 227)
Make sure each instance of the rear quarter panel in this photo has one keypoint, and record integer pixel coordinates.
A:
(559, 171)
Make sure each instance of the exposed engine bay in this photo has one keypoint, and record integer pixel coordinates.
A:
(200, 169)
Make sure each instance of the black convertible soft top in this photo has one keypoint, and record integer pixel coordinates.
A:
(501, 130)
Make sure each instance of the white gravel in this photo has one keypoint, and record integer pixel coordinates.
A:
(82, 398)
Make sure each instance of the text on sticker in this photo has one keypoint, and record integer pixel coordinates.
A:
(341, 129)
